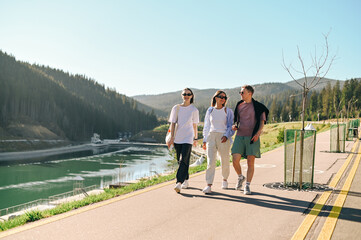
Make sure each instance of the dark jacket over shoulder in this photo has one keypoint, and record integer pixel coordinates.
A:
(259, 108)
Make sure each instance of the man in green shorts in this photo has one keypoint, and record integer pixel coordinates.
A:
(249, 119)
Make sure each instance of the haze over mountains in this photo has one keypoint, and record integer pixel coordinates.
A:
(166, 101)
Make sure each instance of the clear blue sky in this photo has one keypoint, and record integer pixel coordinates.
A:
(151, 47)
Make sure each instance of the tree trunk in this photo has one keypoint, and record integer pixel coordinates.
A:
(302, 131)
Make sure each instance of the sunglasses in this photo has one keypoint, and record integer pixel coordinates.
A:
(187, 94)
(222, 97)
(241, 92)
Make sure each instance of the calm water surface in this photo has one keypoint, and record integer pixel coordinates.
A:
(21, 183)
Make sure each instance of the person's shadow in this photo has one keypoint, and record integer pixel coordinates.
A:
(277, 202)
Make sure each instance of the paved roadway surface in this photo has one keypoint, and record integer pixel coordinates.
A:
(159, 212)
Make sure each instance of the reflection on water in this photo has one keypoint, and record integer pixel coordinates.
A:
(22, 183)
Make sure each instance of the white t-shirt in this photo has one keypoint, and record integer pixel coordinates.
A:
(187, 116)
(218, 119)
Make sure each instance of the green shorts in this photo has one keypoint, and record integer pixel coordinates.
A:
(243, 146)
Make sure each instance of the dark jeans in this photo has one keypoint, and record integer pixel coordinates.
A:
(183, 155)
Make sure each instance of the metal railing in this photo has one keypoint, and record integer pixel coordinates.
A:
(23, 207)
(48, 201)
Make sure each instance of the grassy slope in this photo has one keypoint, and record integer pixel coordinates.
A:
(271, 131)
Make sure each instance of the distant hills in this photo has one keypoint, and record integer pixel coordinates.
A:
(166, 101)
(53, 104)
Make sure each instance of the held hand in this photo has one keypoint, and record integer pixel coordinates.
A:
(234, 127)
(204, 146)
(195, 143)
(255, 138)
(224, 139)
(170, 143)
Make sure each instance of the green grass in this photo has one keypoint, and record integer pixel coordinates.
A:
(18, 221)
(33, 216)
(270, 132)
(268, 142)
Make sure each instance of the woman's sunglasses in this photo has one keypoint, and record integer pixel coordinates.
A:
(222, 97)
(187, 94)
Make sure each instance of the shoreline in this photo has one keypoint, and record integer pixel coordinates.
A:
(24, 155)
(6, 157)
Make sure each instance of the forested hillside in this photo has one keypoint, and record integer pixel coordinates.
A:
(283, 99)
(203, 97)
(71, 106)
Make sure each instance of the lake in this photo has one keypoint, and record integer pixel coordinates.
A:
(25, 182)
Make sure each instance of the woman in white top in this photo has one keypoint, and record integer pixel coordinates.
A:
(184, 119)
(217, 137)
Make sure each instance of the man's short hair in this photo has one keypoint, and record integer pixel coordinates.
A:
(249, 88)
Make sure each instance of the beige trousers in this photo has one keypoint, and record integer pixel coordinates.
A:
(215, 145)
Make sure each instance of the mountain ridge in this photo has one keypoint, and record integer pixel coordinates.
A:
(203, 96)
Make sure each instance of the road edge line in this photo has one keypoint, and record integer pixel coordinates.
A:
(307, 223)
(330, 224)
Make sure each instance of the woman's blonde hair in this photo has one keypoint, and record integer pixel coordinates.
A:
(213, 102)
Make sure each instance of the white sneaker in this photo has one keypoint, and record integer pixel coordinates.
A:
(247, 190)
(240, 182)
(178, 187)
(198, 162)
(185, 184)
(207, 189)
(224, 184)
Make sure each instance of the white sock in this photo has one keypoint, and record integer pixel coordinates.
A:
(240, 175)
